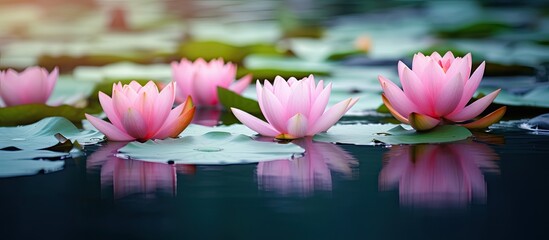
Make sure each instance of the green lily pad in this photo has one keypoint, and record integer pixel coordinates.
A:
(213, 148)
(271, 73)
(198, 130)
(360, 134)
(369, 134)
(212, 49)
(257, 61)
(14, 168)
(231, 99)
(31, 154)
(42, 134)
(440, 134)
(537, 97)
(318, 50)
(123, 70)
(481, 29)
(29, 162)
(30, 113)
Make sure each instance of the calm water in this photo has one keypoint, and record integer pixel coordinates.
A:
(491, 188)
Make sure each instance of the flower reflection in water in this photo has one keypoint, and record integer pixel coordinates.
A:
(207, 116)
(438, 175)
(134, 178)
(303, 175)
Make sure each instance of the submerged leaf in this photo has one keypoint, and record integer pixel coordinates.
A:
(42, 134)
(210, 148)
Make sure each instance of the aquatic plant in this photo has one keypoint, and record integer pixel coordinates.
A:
(32, 85)
(294, 109)
(200, 79)
(436, 91)
(142, 112)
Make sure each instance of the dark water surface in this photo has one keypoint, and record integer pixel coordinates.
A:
(491, 188)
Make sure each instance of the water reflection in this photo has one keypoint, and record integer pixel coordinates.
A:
(438, 175)
(311, 172)
(207, 116)
(134, 178)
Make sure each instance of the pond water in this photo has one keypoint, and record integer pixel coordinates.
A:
(491, 187)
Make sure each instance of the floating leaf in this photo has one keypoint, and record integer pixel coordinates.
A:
(391, 134)
(271, 73)
(31, 154)
(42, 134)
(481, 29)
(360, 134)
(29, 113)
(439, 134)
(70, 91)
(230, 99)
(210, 148)
(13, 168)
(317, 50)
(21, 163)
(537, 97)
(288, 64)
(123, 70)
(198, 130)
(212, 49)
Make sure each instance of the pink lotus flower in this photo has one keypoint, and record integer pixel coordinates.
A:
(436, 90)
(33, 85)
(142, 113)
(201, 79)
(438, 175)
(294, 109)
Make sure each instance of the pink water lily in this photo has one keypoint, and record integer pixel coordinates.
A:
(436, 91)
(294, 109)
(201, 79)
(142, 113)
(32, 85)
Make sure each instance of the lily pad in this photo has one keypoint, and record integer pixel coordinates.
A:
(318, 50)
(231, 99)
(29, 113)
(359, 134)
(257, 62)
(391, 134)
(212, 49)
(42, 134)
(14, 168)
(537, 97)
(31, 154)
(212, 148)
(21, 163)
(198, 130)
(440, 134)
(481, 29)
